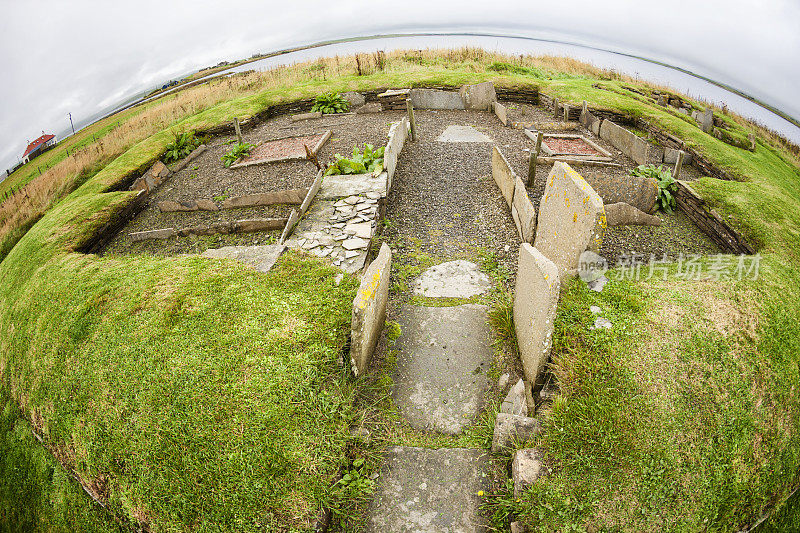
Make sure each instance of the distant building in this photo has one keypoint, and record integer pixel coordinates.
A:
(39, 146)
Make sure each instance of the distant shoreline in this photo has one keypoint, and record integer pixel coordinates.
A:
(329, 42)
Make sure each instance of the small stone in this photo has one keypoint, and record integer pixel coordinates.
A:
(601, 323)
(526, 468)
(509, 429)
(502, 383)
(326, 252)
(517, 527)
(355, 243)
(349, 254)
(351, 200)
(595, 310)
(340, 203)
(361, 434)
(514, 403)
(598, 284)
(337, 279)
(340, 237)
(373, 195)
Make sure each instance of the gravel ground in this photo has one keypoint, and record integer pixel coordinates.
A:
(207, 178)
(443, 193)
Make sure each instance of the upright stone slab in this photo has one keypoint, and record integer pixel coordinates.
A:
(571, 218)
(503, 175)
(501, 112)
(397, 139)
(621, 138)
(707, 120)
(444, 356)
(479, 96)
(430, 491)
(645, 153)
(535, 303)
(369, 310)
(523, 212)
(435, 99)
(639, 192)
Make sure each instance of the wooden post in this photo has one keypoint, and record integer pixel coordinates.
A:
(566, 112)
(534, 157)
(584, 114)
(238, 130)
(676, 172)
(411, 119)
(555, 108)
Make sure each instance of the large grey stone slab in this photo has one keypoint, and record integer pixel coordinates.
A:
(435, 99)
(261, 258)
(526, 467)
(479, 96)
(369, 310)
(350, 184)
(462, 134)
(523, 212)
(398, 134)
(571, 218)
(503, 175)
(535, 304)
(421, 490)
(454, 279)
(621, 138)
(444, 355)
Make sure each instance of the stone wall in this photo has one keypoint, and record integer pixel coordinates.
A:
(638, 149)
(369, 311)
(710, 222)
(516, 196)
(397, 139)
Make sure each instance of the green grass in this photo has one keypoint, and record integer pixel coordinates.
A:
(206, 396)
(35, 492)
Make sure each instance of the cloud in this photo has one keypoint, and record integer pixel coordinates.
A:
(83, 56)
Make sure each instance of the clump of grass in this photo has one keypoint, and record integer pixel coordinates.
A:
(501, 317)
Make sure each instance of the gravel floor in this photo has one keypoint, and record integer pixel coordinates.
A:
(443, 193)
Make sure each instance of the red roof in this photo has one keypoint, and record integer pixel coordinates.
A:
(38, 142)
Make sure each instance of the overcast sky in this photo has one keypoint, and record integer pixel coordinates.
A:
(82, 56)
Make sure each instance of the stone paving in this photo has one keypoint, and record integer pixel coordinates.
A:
(340, 230)
(444, 354)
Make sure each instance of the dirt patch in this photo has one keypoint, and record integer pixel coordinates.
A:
(570, 146)
(290, 147)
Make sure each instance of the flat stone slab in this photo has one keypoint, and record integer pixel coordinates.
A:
(444, 355)
(462, 134)
(429, 491)
(261, 258)
(321, 231)
(349, 184)
(454, 279)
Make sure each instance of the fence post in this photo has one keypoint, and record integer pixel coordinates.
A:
(238, 129)
(533, 159)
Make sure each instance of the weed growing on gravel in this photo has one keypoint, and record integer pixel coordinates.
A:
(330, 103)
(239, 151)
(369, 159)
(183, 142)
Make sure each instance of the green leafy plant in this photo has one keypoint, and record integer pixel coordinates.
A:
(355, 482)
(667, 186)
(183, 142)
(238, 151)
(368, 160)
(330, 103)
